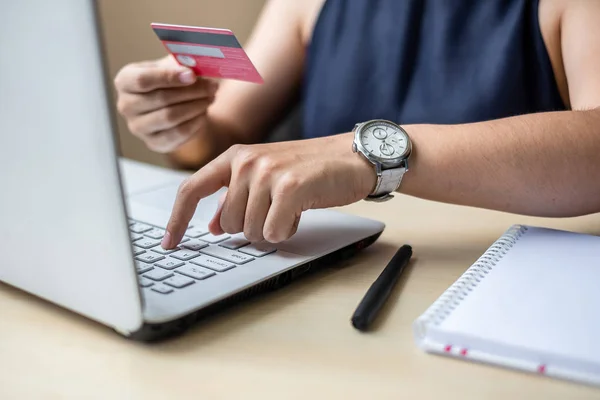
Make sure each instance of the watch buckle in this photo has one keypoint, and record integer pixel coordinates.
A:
(379, 199)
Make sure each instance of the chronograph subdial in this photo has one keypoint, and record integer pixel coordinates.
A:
(386, 149)
(380, 134)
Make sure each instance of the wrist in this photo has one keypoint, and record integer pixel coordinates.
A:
(363, 171)
(191, 155)
(211, 139)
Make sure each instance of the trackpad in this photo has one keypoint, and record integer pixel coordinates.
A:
(322, 231)
(163, 198)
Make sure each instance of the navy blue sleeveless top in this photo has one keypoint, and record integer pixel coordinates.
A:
(425, 61)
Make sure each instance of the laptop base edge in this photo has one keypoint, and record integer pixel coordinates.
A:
(155, 332)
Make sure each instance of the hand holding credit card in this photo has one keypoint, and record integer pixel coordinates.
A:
(209, 52)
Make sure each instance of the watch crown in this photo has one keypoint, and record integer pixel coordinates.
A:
(354, 149)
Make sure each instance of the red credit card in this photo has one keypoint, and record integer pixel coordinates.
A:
(209, 52)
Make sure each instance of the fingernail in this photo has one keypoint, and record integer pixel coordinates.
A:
(166, 241)
(187, 77)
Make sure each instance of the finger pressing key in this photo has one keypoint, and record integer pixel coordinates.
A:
(203, 183)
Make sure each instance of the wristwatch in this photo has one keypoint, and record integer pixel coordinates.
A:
(387, 146)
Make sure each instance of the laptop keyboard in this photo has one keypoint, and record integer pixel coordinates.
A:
(199, 256)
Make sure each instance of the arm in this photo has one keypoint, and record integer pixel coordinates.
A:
(243, 112)
(545, 164)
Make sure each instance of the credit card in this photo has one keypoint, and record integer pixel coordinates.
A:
(209, 52)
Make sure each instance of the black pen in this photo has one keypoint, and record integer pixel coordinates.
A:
(380, 289)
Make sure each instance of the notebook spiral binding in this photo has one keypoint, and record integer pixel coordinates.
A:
(456, 293)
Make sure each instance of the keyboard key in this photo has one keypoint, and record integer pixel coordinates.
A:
(135, 236)
(149, 257)
(155, 233)
(195, 272)
(185, 255)
(210, 238)
(130, 221)
(194, 244)
(234, 243)
(179, 281)
(137, 251)
(195, 232)
(162, 289)
(147, 243)
(158, 274)
(227, 255)
(212, 263)
(258, 249)
(145, 282)
(169, 263)
(139, 227)
(142, 267)
(160, 250)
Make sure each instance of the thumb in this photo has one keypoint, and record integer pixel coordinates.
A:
(183, 73)
(146, 78)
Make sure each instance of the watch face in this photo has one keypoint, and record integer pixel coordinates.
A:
(384, 140)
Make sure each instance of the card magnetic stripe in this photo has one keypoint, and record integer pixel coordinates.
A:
(204, 38)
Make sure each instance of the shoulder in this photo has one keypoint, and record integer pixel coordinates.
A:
(309, 15)
(299, 15)
(570, 30)
(550, 14)
(553, 14)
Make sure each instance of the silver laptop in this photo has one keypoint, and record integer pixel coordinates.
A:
(69, 231)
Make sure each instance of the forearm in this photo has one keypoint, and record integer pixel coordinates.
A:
(243, 112)
(544, 164)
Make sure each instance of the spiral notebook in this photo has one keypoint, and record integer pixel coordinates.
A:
(531, 302)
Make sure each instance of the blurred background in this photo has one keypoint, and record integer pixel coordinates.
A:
(128, 38)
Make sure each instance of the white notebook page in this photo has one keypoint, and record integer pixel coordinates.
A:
(542, 297)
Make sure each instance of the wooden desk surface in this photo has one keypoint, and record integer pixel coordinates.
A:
(293, 344)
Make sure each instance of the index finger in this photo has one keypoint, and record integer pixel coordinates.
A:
(203, 183)
(144, 77)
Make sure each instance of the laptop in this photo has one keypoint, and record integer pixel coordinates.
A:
(77, 232)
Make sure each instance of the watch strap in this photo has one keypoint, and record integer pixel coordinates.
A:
(388, 181)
